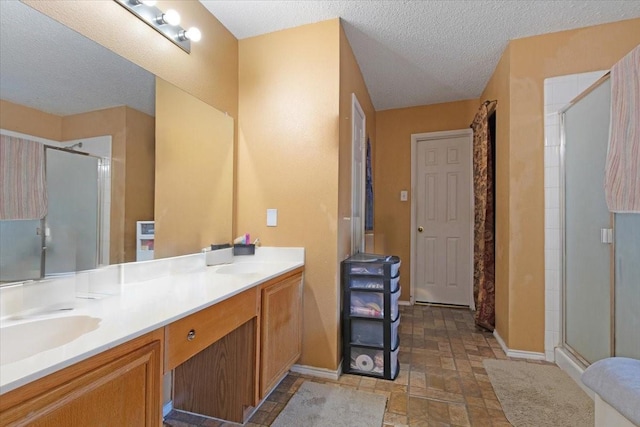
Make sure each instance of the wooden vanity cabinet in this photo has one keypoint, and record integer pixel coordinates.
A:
(281, 328)
(119, 387)
(225, 358)
(213, 353)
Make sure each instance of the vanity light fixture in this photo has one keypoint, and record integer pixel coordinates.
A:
(166, 23)
(147, 2)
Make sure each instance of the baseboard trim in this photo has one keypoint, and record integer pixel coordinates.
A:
(500, 341)
(402, 302)
(318, 372)
(517, 354)
(166, 408)
(566, 362)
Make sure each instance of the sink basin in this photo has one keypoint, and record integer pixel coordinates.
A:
(24, 340)
(241, 268)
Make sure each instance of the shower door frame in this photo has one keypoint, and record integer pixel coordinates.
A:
(562, 307)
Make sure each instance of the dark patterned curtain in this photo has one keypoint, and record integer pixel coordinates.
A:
(483, 247)
(368, 218)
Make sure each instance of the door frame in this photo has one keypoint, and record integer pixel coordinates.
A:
(356, 108)
(429, 136)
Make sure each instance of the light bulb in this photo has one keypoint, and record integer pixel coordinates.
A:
(193, 34)
(171, 17)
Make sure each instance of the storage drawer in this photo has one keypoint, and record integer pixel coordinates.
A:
(371, 304)
(371, 264)
(192, 334)
(371, 361)
(371, 332)
(374, 282)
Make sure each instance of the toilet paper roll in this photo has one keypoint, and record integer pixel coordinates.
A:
(364, 363)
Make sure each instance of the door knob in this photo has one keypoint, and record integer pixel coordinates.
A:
(420, 229)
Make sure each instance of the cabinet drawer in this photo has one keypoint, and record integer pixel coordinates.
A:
(379, 283)
(372, 264)
(192, 334)
(372, 304)
(371, 332)
(372, 362)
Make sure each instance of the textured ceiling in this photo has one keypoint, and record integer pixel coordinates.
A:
(423, 52)
(47, 66)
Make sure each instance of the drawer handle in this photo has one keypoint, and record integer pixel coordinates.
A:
(191, 335)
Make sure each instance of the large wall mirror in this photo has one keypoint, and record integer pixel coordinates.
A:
(95, 115)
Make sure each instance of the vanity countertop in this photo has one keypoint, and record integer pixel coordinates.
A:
(146, 305)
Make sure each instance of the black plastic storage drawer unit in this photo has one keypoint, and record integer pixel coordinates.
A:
(370, 317)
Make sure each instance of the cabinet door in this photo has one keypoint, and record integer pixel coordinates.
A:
(219, 381)
(281, 339)
(124, 391)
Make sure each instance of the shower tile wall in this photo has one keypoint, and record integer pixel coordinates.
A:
(558, 92)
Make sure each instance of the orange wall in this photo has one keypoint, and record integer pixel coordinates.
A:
(288, 160)
(132, 142)
(139, 175)
(289, 91)
(111, 121)
(209, 72)
(498, 89)
(132, 162)
(18, 118)
(392, 222)
(194, 173)
(351, 81)
(531, 60)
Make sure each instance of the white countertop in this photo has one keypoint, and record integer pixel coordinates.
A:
(144, 306)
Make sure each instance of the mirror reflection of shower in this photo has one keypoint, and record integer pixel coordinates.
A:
(73, 215)
(74, 233)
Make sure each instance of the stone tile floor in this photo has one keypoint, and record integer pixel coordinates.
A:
(442, 381)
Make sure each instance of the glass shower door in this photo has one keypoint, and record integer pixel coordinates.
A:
(73, 216)
(587, 290)
(627, 285)
(20, 250)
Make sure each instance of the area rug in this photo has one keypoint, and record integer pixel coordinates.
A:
(325, 405)
(534, 395)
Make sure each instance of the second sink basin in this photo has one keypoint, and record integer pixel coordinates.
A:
(24, 340)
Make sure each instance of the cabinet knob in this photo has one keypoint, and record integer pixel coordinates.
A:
(191, 335)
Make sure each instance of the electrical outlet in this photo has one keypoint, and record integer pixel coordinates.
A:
(404, 195)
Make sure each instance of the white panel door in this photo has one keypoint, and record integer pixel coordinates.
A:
(358, 177)
(443, 217)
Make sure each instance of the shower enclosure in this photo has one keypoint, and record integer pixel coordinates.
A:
(68, 238)
(601, 262)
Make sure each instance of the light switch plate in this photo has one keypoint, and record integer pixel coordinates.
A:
(404, 195)
(272, 217)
